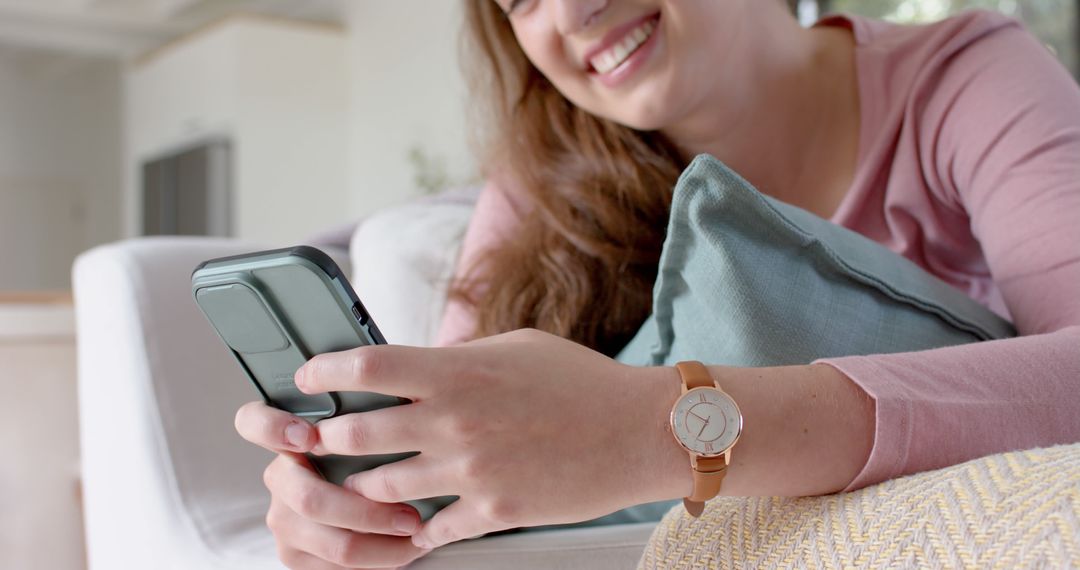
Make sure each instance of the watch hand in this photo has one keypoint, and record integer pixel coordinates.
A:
(697, 416)
(703, 427)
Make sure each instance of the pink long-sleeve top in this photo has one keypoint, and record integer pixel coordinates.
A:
(969, 166)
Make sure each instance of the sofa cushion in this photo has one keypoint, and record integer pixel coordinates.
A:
(403, 259)
(748, 280)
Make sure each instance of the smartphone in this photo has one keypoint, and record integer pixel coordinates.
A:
(276, 309)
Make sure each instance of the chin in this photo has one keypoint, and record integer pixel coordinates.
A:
(641, 111)
(649, 118)
(650, 108)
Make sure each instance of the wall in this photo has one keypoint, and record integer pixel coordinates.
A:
(279, 92)
(60, 164)
(407, 91)
(329, 141)
(67, 183)
(296, 176)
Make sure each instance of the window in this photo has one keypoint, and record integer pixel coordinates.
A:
(1052, 21)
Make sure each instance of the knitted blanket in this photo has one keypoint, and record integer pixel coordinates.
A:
(1011, 510)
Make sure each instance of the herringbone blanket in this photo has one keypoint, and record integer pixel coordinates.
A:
(1012, 510)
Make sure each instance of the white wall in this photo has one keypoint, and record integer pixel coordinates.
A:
(328, 141)
(73, 131)
(60, 164)
(279, 92)
(296, 176)
(407, 90)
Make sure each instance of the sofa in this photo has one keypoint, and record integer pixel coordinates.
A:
(168, 484)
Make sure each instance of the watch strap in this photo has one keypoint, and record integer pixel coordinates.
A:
(694, 374)
(708, 472)
(708, 476)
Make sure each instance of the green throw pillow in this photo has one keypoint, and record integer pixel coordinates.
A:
(747, 280)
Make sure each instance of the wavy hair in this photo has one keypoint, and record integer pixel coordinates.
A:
(583, 261)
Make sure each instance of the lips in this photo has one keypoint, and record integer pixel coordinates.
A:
(617, 45)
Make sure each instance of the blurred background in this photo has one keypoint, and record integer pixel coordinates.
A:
(1053, 21)
(264, 120)
(121, 118)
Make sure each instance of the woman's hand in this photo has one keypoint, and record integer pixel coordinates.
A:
(527, 428)
(530, 429)
(319, 525)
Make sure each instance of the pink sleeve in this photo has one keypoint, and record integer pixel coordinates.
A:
(493, 221)
(1001, 137)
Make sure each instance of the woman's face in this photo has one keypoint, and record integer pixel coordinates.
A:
(646, 64)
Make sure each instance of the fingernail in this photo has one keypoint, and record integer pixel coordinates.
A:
(404, 522)
(297, 434)
(298, 378)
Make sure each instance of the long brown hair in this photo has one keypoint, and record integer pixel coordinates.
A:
(583, 261)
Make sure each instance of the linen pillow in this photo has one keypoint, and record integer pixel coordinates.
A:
(1015, 510)
(747, 280)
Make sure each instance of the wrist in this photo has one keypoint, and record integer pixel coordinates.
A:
(806, 430)
(668, 473)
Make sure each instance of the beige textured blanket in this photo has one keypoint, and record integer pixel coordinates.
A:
(1012, 510)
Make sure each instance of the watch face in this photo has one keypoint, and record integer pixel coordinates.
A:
(706, 421)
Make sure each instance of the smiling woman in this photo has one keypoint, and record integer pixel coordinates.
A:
(555, 126)
(928, 140)
(838, 119)
(533, 126)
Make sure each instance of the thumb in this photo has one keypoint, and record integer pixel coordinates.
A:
(454, 522)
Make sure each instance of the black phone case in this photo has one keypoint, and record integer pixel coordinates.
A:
(276, 309)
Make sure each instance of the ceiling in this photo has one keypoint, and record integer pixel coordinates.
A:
(126, 28)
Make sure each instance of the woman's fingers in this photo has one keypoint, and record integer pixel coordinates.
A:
(458, 521)
(338, 547)
(417, 477)
(406, 371)
(299, 560)
(274, 429)
(395, 429)
(305, 493)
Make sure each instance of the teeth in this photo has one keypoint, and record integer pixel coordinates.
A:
(612, 57)
(622, 50)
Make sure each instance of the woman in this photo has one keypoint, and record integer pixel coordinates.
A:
(957, 145)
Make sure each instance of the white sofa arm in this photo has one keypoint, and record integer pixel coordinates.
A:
(167, 481)
(168, 484)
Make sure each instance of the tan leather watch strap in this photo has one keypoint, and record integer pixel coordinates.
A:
(694, 374)
(708, 472)
(708, 475)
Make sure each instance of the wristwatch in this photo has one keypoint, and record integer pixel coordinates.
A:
(706, 422)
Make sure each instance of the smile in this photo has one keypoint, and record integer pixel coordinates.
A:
(611, 58)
